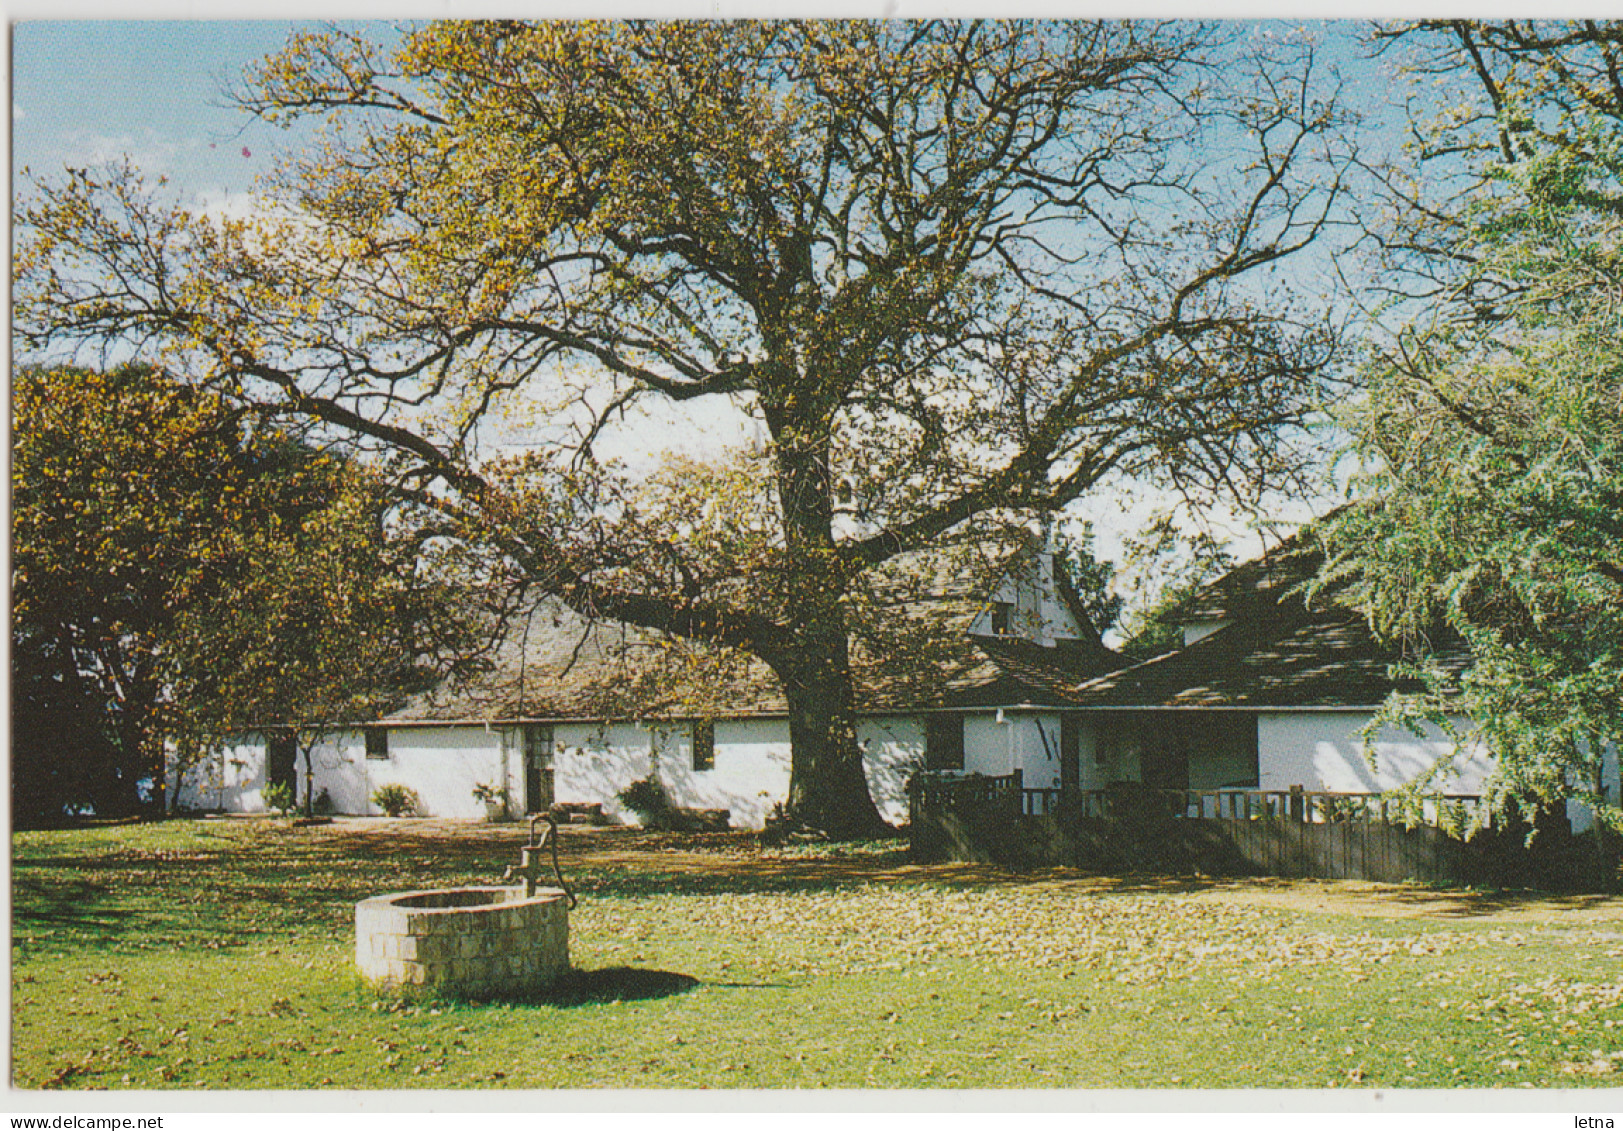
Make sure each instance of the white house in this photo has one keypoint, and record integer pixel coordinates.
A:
(1266, 694)
(1270, 693)
(574, 712)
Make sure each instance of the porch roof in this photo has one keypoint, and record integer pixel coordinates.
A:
(1324, 659)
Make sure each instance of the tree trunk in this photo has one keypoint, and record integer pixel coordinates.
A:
(308, 750)
(139, 749)
(1603, 843)
(140, 740)
(828, 789)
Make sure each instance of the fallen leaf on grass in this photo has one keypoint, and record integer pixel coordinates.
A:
(1592, 1068)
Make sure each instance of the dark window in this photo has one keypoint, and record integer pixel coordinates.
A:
(1002, 616)
(944, 742)
(377, 744)
(704, 745)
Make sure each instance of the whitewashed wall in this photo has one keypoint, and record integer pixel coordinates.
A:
(512, 757)
(1323, 750)
(892, 752)
(339, 764)
(1039, 614)
(440, 764)
(1093, 775)
(1025, 741)
(750, 773)
(1326, 748)
(232, 779)
(592, 763)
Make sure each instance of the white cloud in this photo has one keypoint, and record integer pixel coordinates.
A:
(220, 205)
(152, 153)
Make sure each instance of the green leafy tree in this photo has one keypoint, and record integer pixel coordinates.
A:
(1090, 578)
(331, 621)
(64, 742)
(955, 275)
(1164, 571)
(117, 480)
(1493, 425)
(177, 574)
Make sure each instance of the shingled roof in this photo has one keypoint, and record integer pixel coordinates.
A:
(1263, 587)
(1326, 661)
(1274, 651)
(556, 665)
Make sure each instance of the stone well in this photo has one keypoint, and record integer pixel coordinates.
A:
(475, 942)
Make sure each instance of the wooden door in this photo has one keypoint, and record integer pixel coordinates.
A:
(538, 775)
(1070, 753)
(944, 741)
(1164, 754)
(281, 754)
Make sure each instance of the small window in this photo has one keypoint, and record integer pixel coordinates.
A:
(1002, 617)
(704, 745)
(377, 744)
(944, 742)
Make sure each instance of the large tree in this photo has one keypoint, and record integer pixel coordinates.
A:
(179, 572)
(957, 275)
(1493, 423)
(118, 479)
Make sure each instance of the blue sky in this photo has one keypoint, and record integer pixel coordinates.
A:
(84, 92)
(88, 91)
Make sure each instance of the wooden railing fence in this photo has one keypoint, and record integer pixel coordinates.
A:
(1295, 832)
(1446, 810)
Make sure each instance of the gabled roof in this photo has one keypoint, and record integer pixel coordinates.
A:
(1257, 587)
(1017, 672)
(556, 664)
(1275, 651)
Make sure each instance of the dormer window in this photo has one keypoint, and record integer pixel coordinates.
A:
(1200, 630)
(1002, 617)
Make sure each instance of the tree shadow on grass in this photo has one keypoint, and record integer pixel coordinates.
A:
(1472, 903)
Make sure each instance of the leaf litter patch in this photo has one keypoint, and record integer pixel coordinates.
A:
(1131, 939)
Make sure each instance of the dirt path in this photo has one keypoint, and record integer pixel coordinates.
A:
(740, 854)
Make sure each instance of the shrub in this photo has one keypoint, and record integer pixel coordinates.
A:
(395, 799)
(491, 794)
(646, 798)
(494, 798)
(324, 806)
(279, 798)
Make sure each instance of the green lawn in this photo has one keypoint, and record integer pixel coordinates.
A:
(217, 954)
